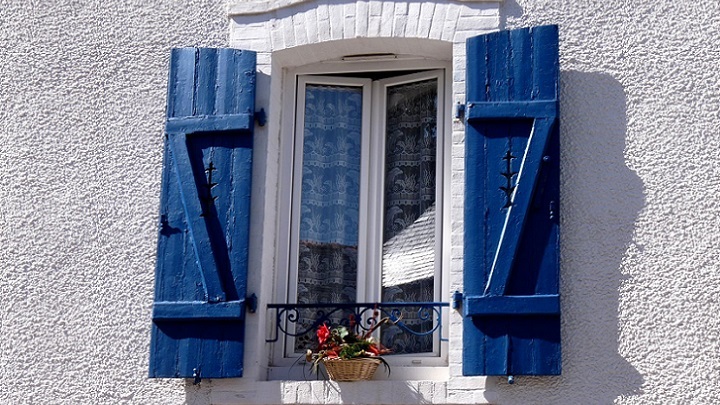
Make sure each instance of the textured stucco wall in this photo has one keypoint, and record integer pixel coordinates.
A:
(82, 96)
(641, 201)
(82, 88)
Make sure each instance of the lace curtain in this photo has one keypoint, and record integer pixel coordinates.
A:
(409, 224)
(329, 210)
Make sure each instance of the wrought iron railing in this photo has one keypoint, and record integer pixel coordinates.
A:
(302, 320)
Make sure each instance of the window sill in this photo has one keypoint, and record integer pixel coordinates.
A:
(458, 391)
(397, 373)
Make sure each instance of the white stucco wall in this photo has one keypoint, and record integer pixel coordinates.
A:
(640, 201)
(82, 91)
(82, 96)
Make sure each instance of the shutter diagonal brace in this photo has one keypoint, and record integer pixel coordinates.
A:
(193, 210)
(517, 212)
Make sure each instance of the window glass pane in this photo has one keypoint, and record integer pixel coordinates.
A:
(408, 254)
(329, 206)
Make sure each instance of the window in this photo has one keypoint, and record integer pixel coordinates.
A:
(510, 299)
(364, 213)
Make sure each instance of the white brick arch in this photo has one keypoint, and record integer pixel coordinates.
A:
(270, 26)
(288, 33)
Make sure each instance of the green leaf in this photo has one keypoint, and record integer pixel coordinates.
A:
(342, 332)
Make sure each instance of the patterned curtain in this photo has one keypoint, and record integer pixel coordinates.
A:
(329, 208)
(409, 226)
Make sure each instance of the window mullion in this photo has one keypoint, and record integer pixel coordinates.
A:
(371, 195)
(364, 279)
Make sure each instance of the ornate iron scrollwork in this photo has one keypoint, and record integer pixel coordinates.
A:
(361, 316)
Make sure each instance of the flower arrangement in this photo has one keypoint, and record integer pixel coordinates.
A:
(339, 343)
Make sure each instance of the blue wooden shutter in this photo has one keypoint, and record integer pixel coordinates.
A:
(511, 303)
(200, 282)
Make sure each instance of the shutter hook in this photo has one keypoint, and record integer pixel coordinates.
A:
(511, 379)
(196, 376)
(457, 300)
(459, 111)
(260, 117)
(251, 303)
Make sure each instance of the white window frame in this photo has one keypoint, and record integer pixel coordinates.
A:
(375, 235)
(365, 85)
(421, 366)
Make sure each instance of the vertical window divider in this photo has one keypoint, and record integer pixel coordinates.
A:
(363, 275)
(378, 153)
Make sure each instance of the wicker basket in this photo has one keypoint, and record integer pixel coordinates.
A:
(351, 370)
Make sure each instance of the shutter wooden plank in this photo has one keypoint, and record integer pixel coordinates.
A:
(224, 90)
(521, 57)
(181, 85)
(511, 298)
(498, 74)
(173, 238)
(545, 62)
(479, 73)
(201, 277)
(205, 82)
(497, 344)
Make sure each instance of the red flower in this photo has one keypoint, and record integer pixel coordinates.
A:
(323, 333)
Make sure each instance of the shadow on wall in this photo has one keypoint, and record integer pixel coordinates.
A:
(600, 201)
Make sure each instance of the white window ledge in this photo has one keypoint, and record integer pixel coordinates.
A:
(461, 391)
(397, 373)
(239, 7)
